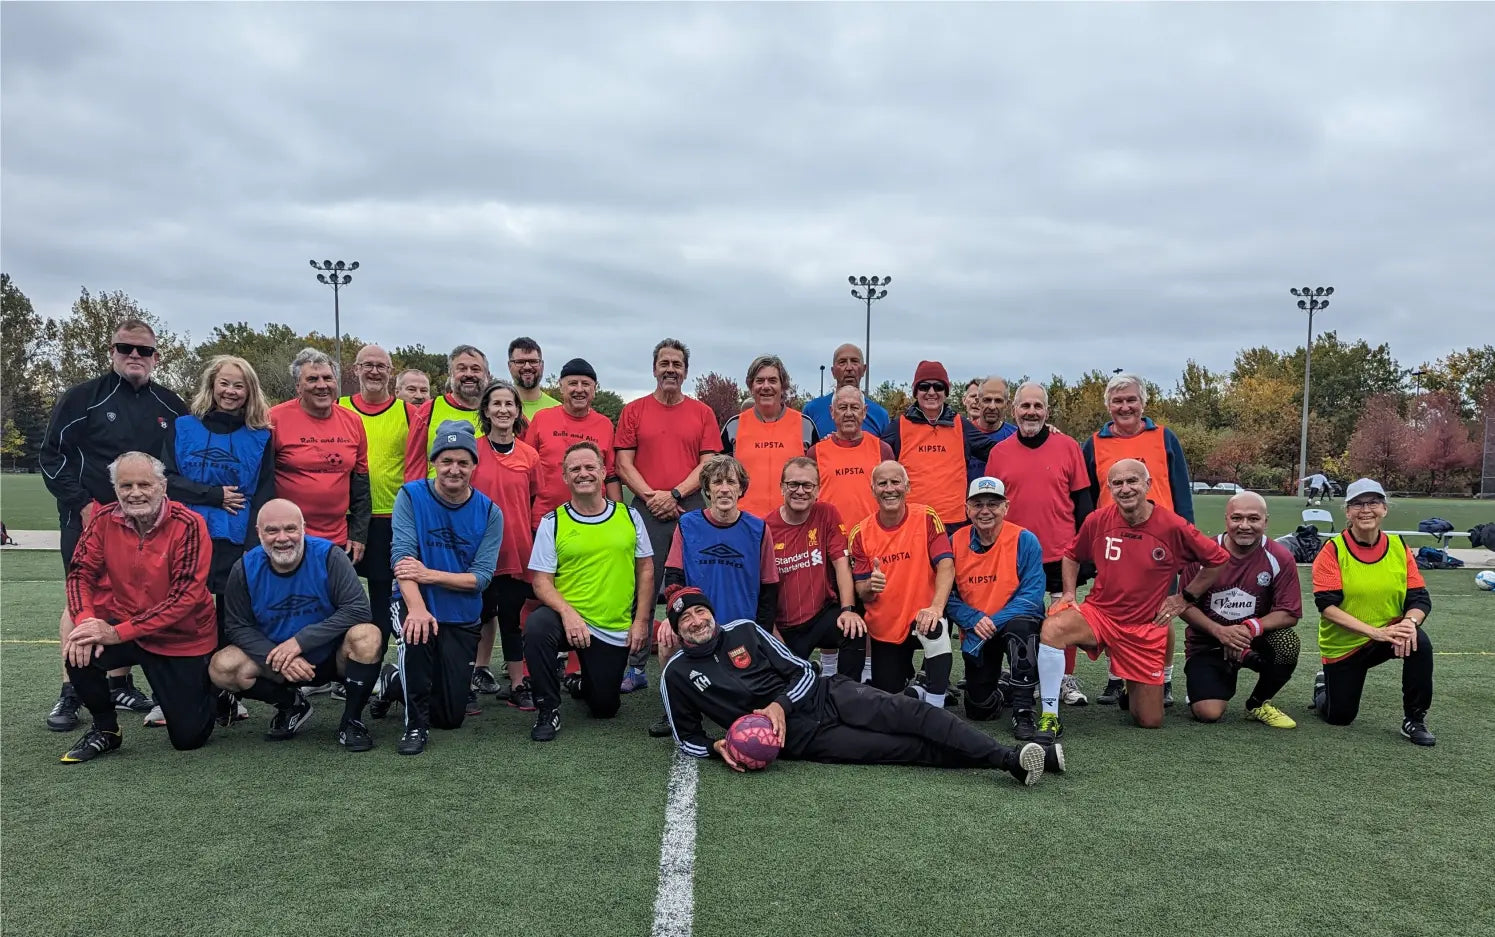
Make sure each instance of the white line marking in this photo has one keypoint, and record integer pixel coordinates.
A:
(674, 906)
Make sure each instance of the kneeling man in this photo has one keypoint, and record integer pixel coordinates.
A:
(724, 672)
(296, 615)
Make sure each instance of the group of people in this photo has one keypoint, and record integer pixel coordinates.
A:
(219, 547)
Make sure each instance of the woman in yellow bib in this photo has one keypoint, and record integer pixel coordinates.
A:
(1372, 601)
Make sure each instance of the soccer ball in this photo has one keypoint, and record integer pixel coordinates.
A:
(1485, 579)
(753, 742)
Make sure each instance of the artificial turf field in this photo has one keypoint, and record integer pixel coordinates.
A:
(1226, 829)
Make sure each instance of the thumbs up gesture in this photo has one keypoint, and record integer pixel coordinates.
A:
(878, 581)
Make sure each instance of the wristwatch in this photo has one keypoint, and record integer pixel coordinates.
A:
(1190, 597)
(675, 493)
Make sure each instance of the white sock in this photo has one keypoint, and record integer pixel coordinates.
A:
(1168, 674)
(828, 663)
(867, 671)
(1110, 674)
(937, 700)
(1050, 676)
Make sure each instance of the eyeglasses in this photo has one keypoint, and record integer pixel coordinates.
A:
(371, 366)
(124, 348)
(930, 385)
(1363, 505)
(801, 486)
(526, 362)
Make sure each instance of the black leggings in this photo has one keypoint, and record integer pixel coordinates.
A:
(179, 685)
(893, 665)
(1018, 640)
(1344, 681)
(504, 599)
(1210, 676)
(437, 675)
(602, 665)
(820, 631)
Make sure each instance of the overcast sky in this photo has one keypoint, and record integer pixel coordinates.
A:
(1052, 187)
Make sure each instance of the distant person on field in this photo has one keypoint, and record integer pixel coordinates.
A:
(1372, 603)
(1315, 487)
(92, 424)
(137, 593)
(1245, 620)
(297, 617)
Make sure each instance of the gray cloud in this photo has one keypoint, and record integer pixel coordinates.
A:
(1053, 187)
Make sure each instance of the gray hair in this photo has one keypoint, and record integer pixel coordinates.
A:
(1127, 380)
(465, 350)
(1033, 385)
(676, 344)
(308, 356)
(157, 468)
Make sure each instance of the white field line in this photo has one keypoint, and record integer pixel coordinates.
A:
(674, 905)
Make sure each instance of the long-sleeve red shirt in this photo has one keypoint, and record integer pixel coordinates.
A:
(153, 588)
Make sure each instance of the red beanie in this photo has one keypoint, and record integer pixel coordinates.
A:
(931, 371)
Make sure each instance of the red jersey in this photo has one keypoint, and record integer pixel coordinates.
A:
(1264, 580)
(667, 440)
(551, 433)
(1039, 481)
(1135, 566)
(804, 554)
(315, 461)
(153, 589)
(510, 480)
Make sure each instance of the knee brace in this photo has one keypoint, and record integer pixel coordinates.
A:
(1022, 656)
(937, 643)
(1284, 646)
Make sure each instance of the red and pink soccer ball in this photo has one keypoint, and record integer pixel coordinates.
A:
(753, 742)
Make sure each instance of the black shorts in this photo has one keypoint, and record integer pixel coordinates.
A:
(326, 672)
(1208, 675)
(376, 553)
(1053, 574)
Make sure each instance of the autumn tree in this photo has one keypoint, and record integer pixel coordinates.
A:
(84, 337)
(894, 397)
(1233, 451)
(1442, 447)
(433, 363)
(1382, 442)
(1463, 375)
(269, 350)
(27, 377)
(722, 394)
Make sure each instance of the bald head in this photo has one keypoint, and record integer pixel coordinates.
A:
(1246, 500)
(848, 365)
(1128, 467)
(890, 469)
(282, 532)
(374, 368)
(890, 488)
(1245, 522)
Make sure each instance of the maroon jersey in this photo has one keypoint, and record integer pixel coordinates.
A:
(803, 554)
(1135, 566)
(1264, 580)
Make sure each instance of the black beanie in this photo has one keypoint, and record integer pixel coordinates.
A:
(578, 367)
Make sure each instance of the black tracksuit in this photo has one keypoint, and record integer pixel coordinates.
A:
(833, 719)
(93, 424)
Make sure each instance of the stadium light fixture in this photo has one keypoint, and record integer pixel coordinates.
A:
(871, 291)
(1310, 300)
(336, 275)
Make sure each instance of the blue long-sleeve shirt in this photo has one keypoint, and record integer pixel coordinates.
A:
(1027, 600)
(405, 537)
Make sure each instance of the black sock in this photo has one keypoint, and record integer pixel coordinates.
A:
(119, 683)
(278, 695)
(67, 689)
(1253, 702)
(358, 684)
(109, 721)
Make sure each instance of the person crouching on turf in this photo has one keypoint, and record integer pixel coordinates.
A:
(724, 672)
(1138, 548)
(997, 601)
(137, 593)
(1245, 621)
(295, 615)
(446, 542)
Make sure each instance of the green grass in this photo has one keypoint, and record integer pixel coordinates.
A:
(25, 503)
(1225, 829)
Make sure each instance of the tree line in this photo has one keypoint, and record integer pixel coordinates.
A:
(1367, 413)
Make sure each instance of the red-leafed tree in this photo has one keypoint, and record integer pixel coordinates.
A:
(1442, 446)
(1233, 452)
(1381, 445)
(722, 394)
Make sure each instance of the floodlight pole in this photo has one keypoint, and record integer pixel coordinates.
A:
(871, 291)
(1312, 300)
(336, 275)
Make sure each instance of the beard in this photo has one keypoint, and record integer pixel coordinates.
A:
(527, 383)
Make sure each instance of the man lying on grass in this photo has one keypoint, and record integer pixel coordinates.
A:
(723, 672)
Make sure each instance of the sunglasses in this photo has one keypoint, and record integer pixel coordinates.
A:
(930, 385)
(144, 351)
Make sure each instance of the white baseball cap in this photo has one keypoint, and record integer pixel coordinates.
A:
(986, 485)
(1364, 486)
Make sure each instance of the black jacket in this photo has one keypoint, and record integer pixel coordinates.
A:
(95, 423)
(742, 669)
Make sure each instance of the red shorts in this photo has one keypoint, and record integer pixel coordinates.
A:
(1138, 652)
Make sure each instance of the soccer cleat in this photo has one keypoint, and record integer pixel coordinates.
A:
(1071, 693)
(474, 708)
(1269, 715)
(288, 720)
(1023, 727)
(413, 742)
(634, 678)
(914, 691)
(155, 719)
(1416, 731)
(129, 699)
(223, 706)
(661, 728)
(387, 692)
(339, 691)
(1029, 767)
(547, 725)
(317, 690)
(571, 683)
(94, 743)
(1167, 693)
(1053, 758)
(1320, 691)
(1049, 729)
(483, 681)
(523, 698)
(1112, 692)
(354, 736)
(64, 714)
